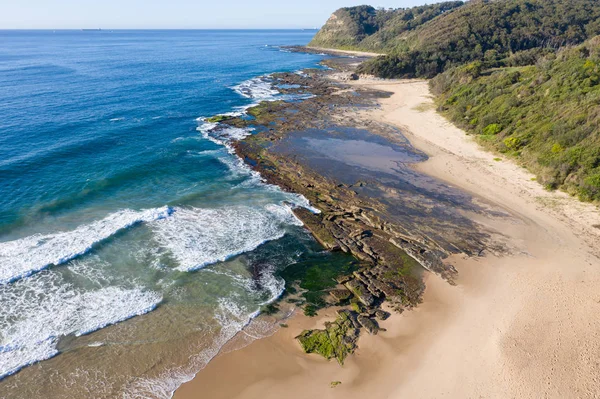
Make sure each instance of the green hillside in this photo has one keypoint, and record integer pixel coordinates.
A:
(369, 29)
(425, 41)
(546, 115)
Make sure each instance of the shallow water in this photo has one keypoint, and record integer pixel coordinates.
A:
(361, 153)
(132, 244)
(376, 167)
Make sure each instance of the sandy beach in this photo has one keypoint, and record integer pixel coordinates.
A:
(518, 326)
(345, 52)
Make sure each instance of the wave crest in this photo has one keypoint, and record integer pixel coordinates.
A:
(200, 237)
(26, 256)
(45, 307)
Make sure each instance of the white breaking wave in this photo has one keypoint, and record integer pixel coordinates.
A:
(200, 237)
(26, 256)
(44, 308)
(223, 135)
(260, 88)
(264, 88)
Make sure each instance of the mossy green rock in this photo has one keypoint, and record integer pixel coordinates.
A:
(218, 118)
(341, 295)
(337, 340)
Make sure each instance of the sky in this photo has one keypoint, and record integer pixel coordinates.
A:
(176, 14)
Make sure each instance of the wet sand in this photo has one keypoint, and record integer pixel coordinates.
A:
(518, 326)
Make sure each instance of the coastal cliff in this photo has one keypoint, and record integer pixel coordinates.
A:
(366, 28)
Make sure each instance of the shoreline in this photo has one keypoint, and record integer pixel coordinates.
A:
(341, 52)
(487, 320)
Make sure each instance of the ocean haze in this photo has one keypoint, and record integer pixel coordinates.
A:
(175, 14)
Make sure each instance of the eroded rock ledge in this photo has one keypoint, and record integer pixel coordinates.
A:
(358, 217)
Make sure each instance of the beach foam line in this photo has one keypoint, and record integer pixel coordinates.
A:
(45, 308)
(26, 256)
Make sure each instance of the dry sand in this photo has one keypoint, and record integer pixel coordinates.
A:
(345, 52)
(520, 326)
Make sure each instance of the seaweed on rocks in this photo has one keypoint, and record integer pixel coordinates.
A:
(392, 229)
(336, 341)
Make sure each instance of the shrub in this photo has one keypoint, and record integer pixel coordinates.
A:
(492, 129)
(546, 114)
(512, 143)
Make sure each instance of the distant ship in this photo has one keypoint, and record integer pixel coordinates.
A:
(91, 30)
(311, 29)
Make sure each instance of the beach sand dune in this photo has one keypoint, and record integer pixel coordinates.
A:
(518, 326)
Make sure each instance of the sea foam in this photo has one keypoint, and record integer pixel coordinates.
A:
(233, 317)
(260, 88)
(199, 237)
(45, 308)
(26, 256)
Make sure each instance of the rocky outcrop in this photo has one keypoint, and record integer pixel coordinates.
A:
(336, 341)
(393, 245)
(368, 324)
(361, 292)
(381, 314)
(340, 295)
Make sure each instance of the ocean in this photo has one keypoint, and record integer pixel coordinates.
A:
(133, 245)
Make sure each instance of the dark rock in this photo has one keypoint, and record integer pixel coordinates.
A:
(381, 314)
(369, 325)
(341, 295)
(350, 315)
(361, 292)
(343, 279)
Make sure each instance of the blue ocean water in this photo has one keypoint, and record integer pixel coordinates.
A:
(115, 203)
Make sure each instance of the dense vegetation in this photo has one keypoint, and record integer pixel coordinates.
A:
(378, 30)
(425, 41)
(523, 75)
(547, 114)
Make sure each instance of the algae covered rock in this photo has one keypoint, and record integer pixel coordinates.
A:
(218, 118)
(337, 340)
(361, 292)
(341, 295)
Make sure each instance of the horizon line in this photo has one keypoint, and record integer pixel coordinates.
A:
(133, 29)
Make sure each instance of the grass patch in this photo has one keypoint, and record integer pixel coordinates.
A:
(424, 107)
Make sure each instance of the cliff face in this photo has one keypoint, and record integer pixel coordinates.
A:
(347, 27)
(378, 30)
